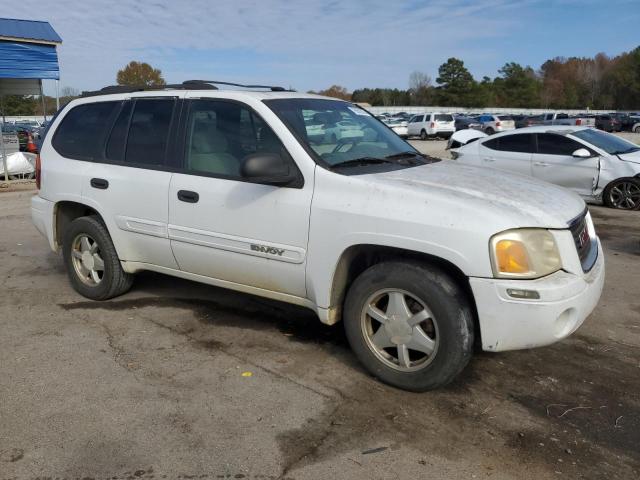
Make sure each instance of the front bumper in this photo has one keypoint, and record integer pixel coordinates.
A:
(566, 300)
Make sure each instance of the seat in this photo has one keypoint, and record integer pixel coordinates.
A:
(209, 152)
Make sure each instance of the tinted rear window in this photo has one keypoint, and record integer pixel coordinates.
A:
(504, 117)
(521, 143)
(82, 131)
(444, 118)
(149, 132)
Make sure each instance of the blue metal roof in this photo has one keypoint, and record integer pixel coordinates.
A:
(28, 60)
(29, 30)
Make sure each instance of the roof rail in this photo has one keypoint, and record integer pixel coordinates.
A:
(186, 85)
(266, 87)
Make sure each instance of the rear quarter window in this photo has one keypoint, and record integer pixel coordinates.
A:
(82, 132)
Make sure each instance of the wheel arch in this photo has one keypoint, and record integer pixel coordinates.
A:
(65, 212)
(357, 258)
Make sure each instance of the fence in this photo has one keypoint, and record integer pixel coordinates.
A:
(515, 111)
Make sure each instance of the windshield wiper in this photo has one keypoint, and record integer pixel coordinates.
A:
(358, 162)
(408, 153)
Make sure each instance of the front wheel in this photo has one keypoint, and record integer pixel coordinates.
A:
(636, 129)
(623, 194)
(410, 325)
(92, 263)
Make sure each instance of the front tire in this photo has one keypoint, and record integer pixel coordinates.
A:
(410, 325)
(623, 194)
(91, 260)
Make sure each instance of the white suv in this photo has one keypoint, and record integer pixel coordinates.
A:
(426, 125)
(419, 258)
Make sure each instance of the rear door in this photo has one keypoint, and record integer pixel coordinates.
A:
(508, 152)
(225, 227)
(553, 162)
(413, 127)
(129, 182)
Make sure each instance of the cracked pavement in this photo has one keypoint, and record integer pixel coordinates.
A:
(150, 385)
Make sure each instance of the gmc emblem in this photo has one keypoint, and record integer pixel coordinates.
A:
(583, 238)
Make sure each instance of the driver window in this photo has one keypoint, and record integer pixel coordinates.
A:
(220, 134)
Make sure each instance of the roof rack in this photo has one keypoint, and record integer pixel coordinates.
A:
(186, 85)
(265, 87)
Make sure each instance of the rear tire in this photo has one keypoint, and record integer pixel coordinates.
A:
(623, 194)
(424, 346)
(91, 260)
(423, 135)
(637, 129)
(489, 131)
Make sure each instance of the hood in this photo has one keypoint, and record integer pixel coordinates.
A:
(516, 200)
(462, 137)
(633, 157)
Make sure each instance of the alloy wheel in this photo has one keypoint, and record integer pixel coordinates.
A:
(87, 260)
(400, 330)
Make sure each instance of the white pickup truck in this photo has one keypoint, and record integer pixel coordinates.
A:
(565, 119)
(419, 258)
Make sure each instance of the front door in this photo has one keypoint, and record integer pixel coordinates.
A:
(221, 225)
(553, 162)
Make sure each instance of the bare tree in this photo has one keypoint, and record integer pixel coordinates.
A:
(419, 80)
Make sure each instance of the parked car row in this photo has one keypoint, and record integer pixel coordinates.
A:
(429, 125)
(26, 136)
(601, 167)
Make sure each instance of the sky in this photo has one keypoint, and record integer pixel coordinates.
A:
(315, 44)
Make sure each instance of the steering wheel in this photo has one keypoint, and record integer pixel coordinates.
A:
(353, 141)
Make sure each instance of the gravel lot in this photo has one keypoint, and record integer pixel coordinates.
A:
(178, 380)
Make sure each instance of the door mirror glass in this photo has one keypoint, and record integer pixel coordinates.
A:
(267, 168)
(582, 153)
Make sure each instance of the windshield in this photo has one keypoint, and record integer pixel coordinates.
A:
(611, 144)
(339, 132)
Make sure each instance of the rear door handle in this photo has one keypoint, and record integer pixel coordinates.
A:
(100, 183)
(489, 159)
(188, 196)
(541, 164)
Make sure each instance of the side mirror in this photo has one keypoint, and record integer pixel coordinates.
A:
(267, 168)
(582, 153)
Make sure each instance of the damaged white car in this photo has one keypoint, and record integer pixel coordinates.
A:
(599, 166)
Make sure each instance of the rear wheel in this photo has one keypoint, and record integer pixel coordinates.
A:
(637, 129)
(410, 325)
(623, 194)
(423, 135)
(489, 131)
(92, 262)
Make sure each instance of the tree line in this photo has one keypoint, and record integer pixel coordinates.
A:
(601, 82)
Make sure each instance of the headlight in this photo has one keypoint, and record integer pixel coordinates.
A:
(524, 253)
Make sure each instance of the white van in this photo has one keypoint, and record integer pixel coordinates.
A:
(429, 125)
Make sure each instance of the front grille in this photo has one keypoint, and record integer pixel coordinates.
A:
(586, 248)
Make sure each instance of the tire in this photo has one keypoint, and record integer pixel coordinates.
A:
(489, 131)
(623, 194)
(448, 324)
(87, 243)
(637, 129)
(423, 135)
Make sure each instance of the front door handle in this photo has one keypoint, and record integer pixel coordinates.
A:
(489, 159)
(100, 183)
(188, 196)
(541, 164)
